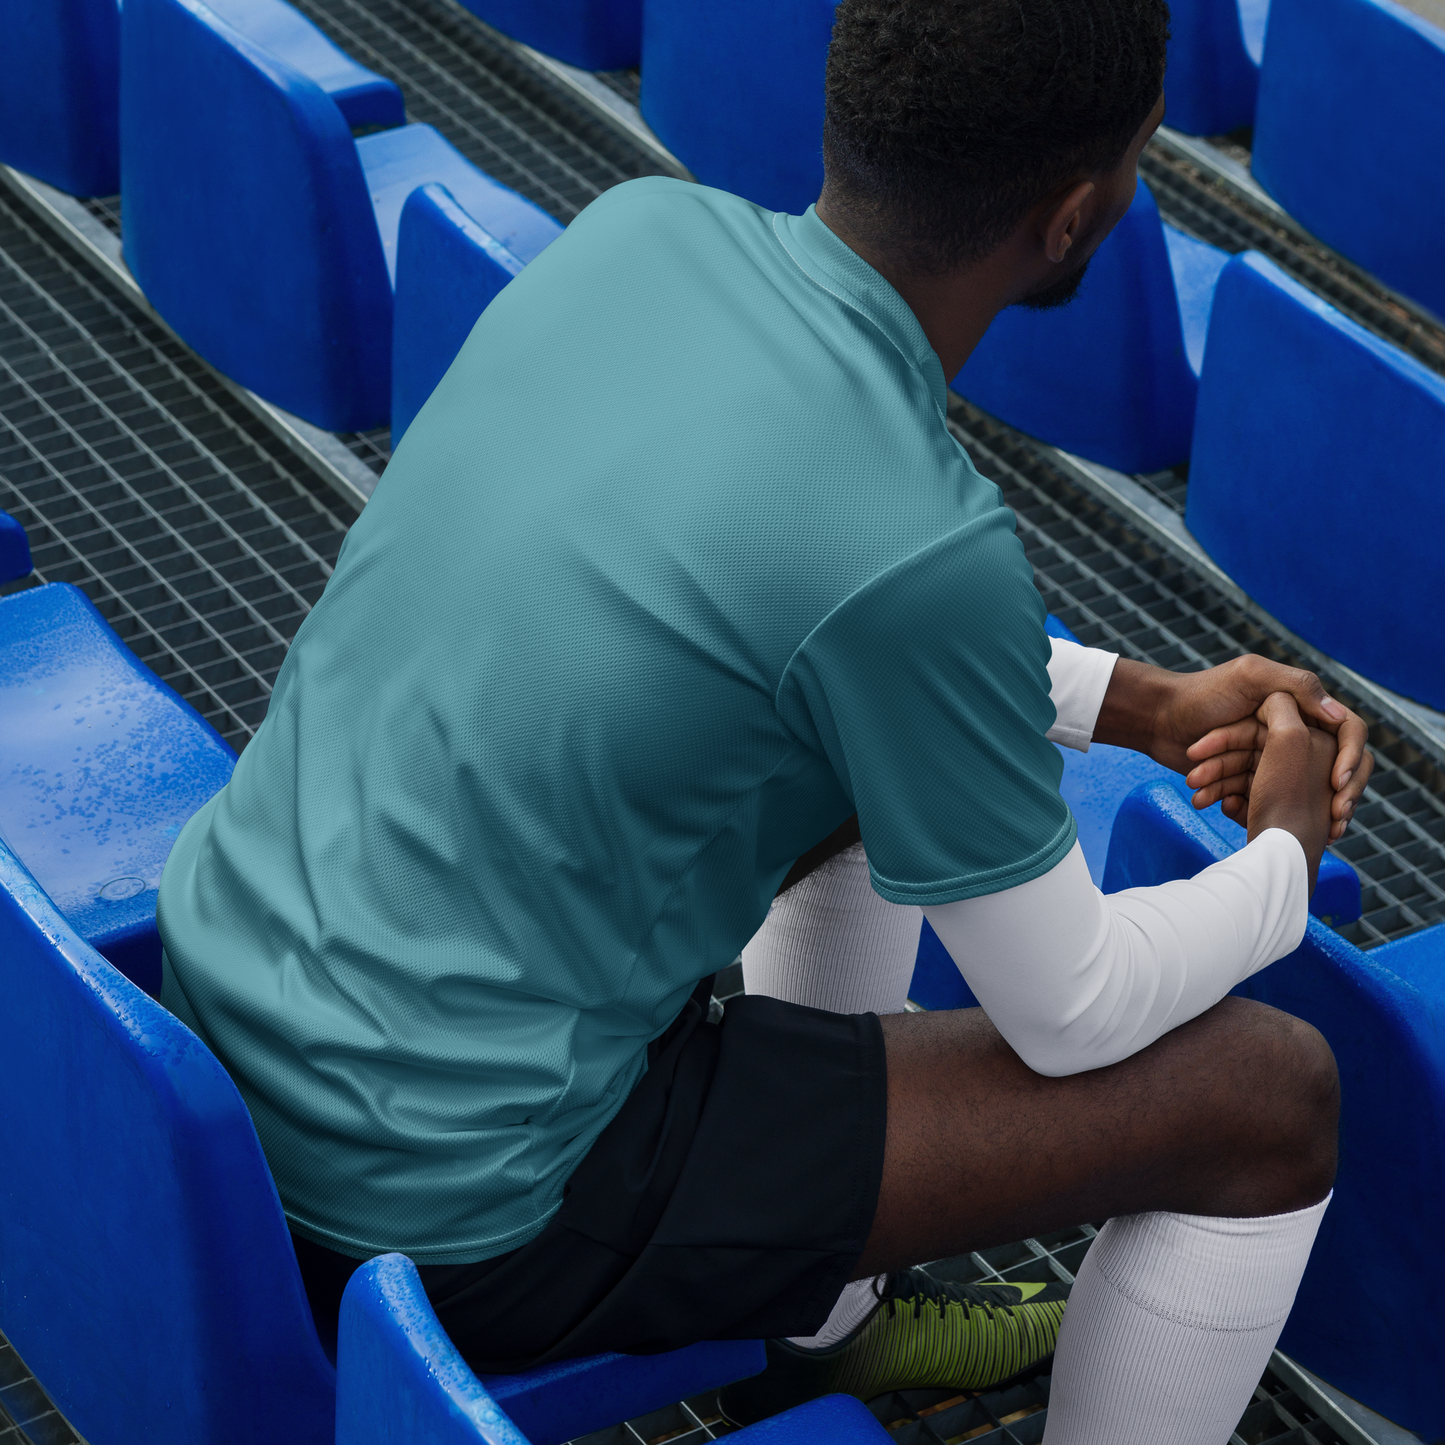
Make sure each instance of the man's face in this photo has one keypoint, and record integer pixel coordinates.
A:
(1114, 194)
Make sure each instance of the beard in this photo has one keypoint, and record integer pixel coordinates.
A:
(1050, 298)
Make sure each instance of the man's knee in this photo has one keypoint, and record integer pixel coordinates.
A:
(1288, 1089)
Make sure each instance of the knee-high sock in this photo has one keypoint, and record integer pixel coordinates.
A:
(832, 943)
(1170, 1325)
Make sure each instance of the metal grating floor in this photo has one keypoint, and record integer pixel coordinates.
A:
(202, 540)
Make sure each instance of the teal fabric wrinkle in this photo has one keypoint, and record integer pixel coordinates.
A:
(677, 567)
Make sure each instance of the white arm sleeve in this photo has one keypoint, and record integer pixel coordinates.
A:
(1076, 979)
(1078, 679)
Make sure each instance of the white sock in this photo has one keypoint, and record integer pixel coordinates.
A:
(855, 1304)
(831, 942)
(1170, 1325)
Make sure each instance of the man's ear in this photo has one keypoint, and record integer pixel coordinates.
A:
(1065, 223)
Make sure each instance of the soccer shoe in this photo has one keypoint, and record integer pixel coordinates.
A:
(925, 1333)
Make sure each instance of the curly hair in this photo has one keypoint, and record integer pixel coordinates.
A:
(948, 119)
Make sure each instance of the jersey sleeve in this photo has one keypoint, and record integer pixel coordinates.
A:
(928, 690)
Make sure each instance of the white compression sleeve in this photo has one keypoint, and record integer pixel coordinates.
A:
(832, 943)
(1078, 679)
(1076, 979)
(1170, 1325)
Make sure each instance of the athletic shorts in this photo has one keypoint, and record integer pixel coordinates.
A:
(730, 1198)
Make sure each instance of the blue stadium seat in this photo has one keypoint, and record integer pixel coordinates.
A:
(1215, 50)
(736, 93)
(1358, 1321)
(14, 550)
(1094, 785)
(1348, 134)
(146, 1273)
(593, 34)
(399, 1378)
(448, 269)
(59, 100)
(1114, 375)
(100, 766)
(257, 226)
(1314, 479)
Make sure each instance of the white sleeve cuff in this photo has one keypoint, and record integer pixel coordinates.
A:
(1078, 679)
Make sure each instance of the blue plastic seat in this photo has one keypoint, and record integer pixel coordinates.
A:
(1114, 375)
(59, 101)
(593, 34)
(1349, 130)
(258, 227)
(1212, 75)
(1358, 1320)
(399, 1378)
(14, 550)
(1314, 480)
(100, 766)
(146, 1273)
(1095, 785)
(448, 269)
(736, 93)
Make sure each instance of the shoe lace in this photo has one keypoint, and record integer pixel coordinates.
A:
(916, 1287)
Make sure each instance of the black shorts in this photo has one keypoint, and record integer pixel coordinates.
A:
(730, 1198)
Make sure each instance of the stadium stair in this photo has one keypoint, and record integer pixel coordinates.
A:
(262, 231)
(1328, 441)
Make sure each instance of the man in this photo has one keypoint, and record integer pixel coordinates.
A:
(677, 571)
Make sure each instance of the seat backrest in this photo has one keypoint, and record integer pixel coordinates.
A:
(1212, 72)
(1107, 376)
(362, 96)
(247, 217)
(1383, 1014)
(101, 764)
(449, 267)
(736, 93)
(1349, 130)
(1328, 441)
(593, 34)
(59, 99)
(146, 1274)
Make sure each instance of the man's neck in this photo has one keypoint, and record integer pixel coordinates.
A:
(954, 309)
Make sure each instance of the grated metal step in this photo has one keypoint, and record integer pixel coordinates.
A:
(200, 538)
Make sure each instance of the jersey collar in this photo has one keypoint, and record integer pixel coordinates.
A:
(842, 272)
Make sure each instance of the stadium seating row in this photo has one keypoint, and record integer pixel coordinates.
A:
(338, 273)
(144, 1249)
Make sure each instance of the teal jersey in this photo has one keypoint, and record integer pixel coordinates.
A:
(678, 567)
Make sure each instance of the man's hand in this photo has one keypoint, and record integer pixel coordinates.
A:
(1209, 725)
(1291, 785)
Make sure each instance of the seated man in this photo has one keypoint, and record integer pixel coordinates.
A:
(678, 570)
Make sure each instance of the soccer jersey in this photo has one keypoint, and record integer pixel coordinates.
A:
(677, 568)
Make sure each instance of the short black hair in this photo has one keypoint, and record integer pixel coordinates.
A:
(948, 119)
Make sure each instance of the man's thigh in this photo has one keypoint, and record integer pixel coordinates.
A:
(1230, 1114)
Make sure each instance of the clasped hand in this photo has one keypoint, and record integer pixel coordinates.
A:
(1214, 727)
